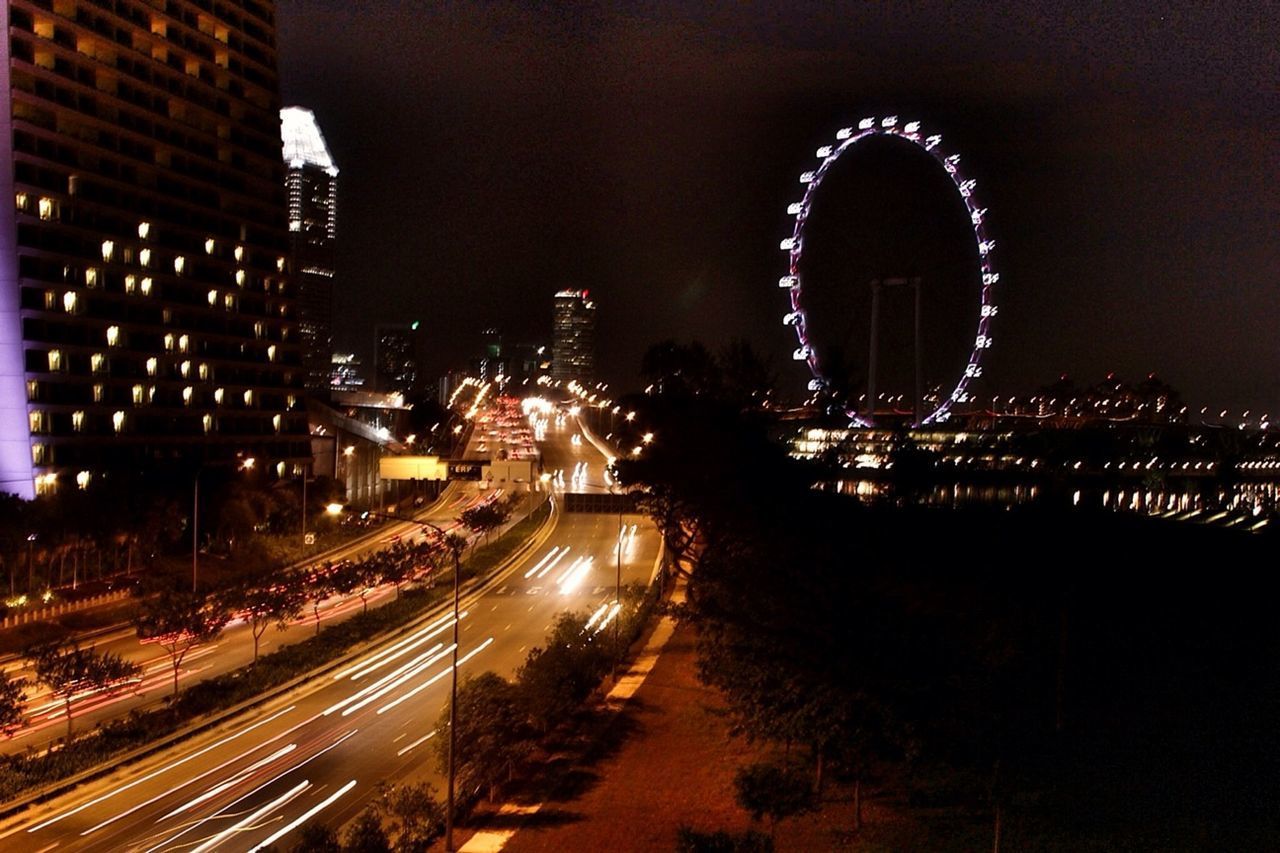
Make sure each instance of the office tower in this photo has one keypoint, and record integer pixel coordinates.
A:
(147, 310)
(396, 358)
(573, 340)
(312, 181)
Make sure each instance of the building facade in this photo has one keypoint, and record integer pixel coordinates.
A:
(396, 357)
(573, 341)
(147, 305)
(312, 183)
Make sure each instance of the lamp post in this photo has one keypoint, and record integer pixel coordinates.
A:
(195, 531)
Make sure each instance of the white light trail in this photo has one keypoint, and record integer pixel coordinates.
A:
(230, 783)
(306, 816)
(419, 742)
(613, 611)
(362, 668)
(156, 773)
(389, 678)
(553, 563)
(433, 679)
(248, 822)
(392, 685)
(542, 562)
(572, 578)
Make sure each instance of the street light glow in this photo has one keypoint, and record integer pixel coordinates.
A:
(334, 509)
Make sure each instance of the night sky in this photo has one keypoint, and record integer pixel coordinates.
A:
(492, 153)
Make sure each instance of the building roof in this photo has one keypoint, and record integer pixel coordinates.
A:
(304, 144)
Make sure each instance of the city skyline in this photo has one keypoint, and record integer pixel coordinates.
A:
(1090, 138)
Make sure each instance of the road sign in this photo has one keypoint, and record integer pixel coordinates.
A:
(308, 539)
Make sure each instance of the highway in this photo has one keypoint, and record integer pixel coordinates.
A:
(322, 749)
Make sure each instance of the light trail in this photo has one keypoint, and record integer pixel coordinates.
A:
(306, 816)
(230, 783)
(433, 679)
(364, 667)
(542, 562)
(247, 822)
(553, 563)
(572, 579)
(95, 801)
(419, 742)
(417, 670)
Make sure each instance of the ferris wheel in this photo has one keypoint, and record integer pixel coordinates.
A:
(847, 139)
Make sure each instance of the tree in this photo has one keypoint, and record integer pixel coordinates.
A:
(316, 838)
(767, 790)
(484, 518)
(690, 840)
(13, 701)
(556, 678)
(278, 602)
(415, 814)
(180, 621)
(493, 734)
(320, 585)
(71, 672)
(366, 835)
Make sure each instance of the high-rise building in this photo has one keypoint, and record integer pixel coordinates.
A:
(396, 358)
(573, 340)
(147, 309)
(312, 181)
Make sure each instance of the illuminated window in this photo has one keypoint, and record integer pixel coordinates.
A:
(186, 395)
(295, 225)
(218, 394)
(275, 422)
(97, 362)
(69, 302)
(130, 283)
(144, 228)
(37, 421)
(292, 401)
(240, 278)
(48, 208)
(209, 246)
(23, 201)
(33, 389)
(167, 316)
(146, 287)
(113, 336)
(117, 421)
(91, 277)
(257, 329)
(179, 264)
(185, 369)
(271, 353)
(139, 394)
(168, 342)
(55, 360)
(77, 421)
(82, 479)
(203, 371)
(144, 257)
(213, 297)
(46, 484)
(183, 343)
(248, 397)
(151, 394)
(97, 393)
(229, 302)
(108, 250)
(50, 300)
(152, 364)
(208, 423)
(280, 469)
(239, 253)
(280, 263)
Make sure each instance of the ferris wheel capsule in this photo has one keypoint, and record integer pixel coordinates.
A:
(803, 353)
(789, 281)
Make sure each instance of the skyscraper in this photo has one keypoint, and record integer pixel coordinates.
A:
(147, 310)
(573, 341)
(396, 360)
(312, 180)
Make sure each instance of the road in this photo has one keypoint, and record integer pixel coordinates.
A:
(322, 749)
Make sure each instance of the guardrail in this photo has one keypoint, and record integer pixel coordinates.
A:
(49, 611)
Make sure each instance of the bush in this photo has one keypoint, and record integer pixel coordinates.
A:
(689, 840)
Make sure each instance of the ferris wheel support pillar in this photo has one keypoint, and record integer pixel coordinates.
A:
(919, 409)
(878, 284)
(870, 411)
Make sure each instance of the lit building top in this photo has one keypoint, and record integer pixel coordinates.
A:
(304, 144)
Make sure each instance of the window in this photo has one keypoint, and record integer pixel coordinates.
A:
(130, 283)
(187, 392)
(139, 394)
(97, 362)
(275, 422)
(239, 253)
(117, 421)
(168, 342)
(108, 251)
(144, 257)
(77, 421)
(240, 278)
(183, 343)
(152, 364)
(33, 389)
(271, 352)
(50, 300)
(113, 336)
(218, 394)
(55, 360)
(91, 277)
(82, 480)
(209, 246)
(23, 201)
(37, 421)
(146, 286)
(144, 228)
(48, 208)
(185, 369)
(248, 397)
(229, 301)
(280, 264)
(203, 371)
(207, 420)
(213, 298)
(98, 393)
(70, 302)
(258, 329)
(179, 264)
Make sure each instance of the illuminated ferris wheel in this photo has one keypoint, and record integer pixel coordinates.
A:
(847, 139)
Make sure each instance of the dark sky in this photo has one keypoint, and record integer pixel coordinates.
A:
(492, 153)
